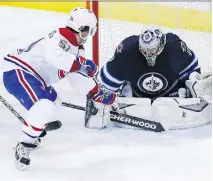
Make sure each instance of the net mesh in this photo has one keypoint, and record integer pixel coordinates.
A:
(113, 31)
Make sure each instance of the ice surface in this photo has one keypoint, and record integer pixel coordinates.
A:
(74, 153)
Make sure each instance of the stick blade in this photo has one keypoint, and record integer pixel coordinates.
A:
(53, 125)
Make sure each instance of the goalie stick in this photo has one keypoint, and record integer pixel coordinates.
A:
(136, 122)
(119, 118)
(54, 125)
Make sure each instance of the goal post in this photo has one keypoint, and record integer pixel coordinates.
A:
(118, 20)
(95, 41)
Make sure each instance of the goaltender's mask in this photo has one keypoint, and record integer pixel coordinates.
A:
(151, 44)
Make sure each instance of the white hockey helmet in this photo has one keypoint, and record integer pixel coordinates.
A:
(151, 44)
(80, 18)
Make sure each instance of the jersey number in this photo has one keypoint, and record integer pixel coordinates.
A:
(52, 34)
(185, 48)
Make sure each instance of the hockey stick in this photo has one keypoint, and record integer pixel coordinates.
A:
(49, 127)
(136, 122)
(65, 104)
(126, 119)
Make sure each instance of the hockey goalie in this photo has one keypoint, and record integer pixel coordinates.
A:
(152, 82)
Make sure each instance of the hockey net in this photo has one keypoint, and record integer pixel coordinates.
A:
(118, 20)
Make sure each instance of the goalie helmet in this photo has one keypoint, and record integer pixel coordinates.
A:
(81, 19)
(151, 44)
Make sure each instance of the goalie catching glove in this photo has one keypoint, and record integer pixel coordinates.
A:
(198, 85)
(88, 68)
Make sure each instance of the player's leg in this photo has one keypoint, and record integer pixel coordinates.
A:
(39, 103)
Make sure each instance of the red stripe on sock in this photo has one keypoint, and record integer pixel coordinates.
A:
(36, 129)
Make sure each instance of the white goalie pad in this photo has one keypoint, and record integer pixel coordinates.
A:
(193, 115)
(137, 107)
(179, 113)
(171, 113)
(101, 119)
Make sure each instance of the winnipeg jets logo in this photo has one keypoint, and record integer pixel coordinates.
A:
(152, 83)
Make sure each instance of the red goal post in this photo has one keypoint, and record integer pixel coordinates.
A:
(95, 41)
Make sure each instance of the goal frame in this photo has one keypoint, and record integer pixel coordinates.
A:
(93, 6)
(202, 17)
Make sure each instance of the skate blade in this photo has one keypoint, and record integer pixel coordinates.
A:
(20, 166)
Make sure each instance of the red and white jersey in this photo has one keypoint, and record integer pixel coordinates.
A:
(49, 58)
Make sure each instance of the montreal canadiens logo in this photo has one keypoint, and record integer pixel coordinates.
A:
(152, 83)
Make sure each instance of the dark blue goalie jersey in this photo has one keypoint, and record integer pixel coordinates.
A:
(173, 66)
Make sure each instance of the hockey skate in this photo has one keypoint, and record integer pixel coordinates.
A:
(22, 155)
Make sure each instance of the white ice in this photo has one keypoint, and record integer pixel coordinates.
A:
(75, 153)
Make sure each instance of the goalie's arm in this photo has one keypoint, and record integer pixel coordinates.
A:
(111, 76)
(187, 59)
(190, 72)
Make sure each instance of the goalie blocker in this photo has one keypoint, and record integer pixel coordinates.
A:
(139, 113)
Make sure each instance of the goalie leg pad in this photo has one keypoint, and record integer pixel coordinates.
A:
(193, 115)
(171, 113)
(177, 113)
(140, 108)
(96, 114)
(166, 111)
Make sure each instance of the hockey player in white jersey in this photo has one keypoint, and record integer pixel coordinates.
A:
(163, 77)
(28, 74)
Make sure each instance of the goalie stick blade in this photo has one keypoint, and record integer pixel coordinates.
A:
(53, 125)
(136, 122)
